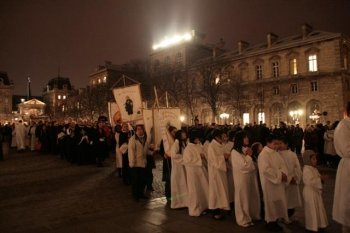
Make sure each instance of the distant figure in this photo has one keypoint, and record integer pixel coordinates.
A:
(20, 136)
(129, 106)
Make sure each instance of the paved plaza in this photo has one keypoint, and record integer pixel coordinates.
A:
(42, 193)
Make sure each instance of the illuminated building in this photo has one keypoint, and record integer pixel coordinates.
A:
(55, 96)
(6, 93)
(288, 79)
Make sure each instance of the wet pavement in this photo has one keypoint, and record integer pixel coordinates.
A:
(42, 193)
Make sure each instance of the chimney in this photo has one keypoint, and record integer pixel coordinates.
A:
(242, 45)
(305, 30)
(271, 38)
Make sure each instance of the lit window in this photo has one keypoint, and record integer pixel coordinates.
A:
(261, 117)
(259, 72)
(22, 100)
(64, 97)
(275, 69)
(294, 88)
(314, 86)
(313, 63)
(293, 69)
(99, 80)
(93, 82)
(105, 79)
(59, 97)
(276, 90)
(245, 118)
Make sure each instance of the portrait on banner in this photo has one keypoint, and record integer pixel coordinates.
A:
(129, 102)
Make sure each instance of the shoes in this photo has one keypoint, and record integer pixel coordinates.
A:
(218, 217)
(249, 224)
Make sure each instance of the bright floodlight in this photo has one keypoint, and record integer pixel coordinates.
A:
(173, 40)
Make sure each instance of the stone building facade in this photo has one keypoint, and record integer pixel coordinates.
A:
(300, 79)
(6, 93)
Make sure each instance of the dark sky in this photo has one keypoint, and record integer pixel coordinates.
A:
(38, 36)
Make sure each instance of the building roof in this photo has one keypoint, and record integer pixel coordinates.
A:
(33, 102)
(281, 43)
(17, 99)
(59, 83)
(5, 79)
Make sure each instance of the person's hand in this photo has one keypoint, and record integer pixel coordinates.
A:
(284, 177)
(249, 151)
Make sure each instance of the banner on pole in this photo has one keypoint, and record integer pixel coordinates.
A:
(163, 118)
(129, 102)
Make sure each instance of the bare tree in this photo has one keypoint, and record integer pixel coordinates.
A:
(211, 85)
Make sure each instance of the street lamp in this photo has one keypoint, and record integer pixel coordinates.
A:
(315, 116)
(295, 115)
(182, 119)
(224, 116)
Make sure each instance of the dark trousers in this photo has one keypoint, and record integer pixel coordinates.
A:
(126, 169)
(138, 181)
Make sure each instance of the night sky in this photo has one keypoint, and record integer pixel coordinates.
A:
(39, 36)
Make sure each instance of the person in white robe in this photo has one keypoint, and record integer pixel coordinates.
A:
(341, 203)
(315, 213)
(178, 182)
(247, 197)
(194, 160)
(228, 145)
(294, 177)
(218, 186)
(20, 136)
(273, 177)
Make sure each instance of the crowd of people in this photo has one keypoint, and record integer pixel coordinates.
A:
(253, 170)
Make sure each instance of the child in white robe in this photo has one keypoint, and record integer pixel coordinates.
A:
(315, 213)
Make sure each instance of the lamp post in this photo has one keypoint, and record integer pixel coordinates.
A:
(224, 116)
(295, 115)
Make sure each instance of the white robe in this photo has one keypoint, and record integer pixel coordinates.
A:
(33, 139)
(178, 182)
(20, 136)
(315, 213)
(218, 187)
(231, 190)
(341, 203)
(294, 170)
(271, 166)
(247, 197)
(197, 179)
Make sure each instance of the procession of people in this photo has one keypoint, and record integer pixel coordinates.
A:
(254, 171)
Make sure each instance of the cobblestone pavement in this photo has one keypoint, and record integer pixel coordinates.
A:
(41, 193)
